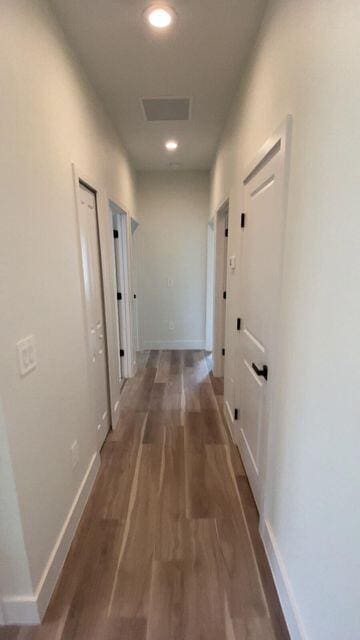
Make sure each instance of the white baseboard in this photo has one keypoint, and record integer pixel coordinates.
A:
(173, 344)
(20, 610)
(31, 609)
(283, 585)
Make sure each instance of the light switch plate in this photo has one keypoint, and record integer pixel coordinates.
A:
(26, 355)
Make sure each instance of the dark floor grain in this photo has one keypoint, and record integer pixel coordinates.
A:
(163, 551)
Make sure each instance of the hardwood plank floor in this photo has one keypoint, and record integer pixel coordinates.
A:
(168, 547)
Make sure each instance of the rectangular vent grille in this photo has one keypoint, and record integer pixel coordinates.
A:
(165, 109)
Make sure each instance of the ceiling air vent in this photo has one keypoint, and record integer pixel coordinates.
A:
(164, 109)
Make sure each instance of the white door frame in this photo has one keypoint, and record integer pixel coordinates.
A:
(210, 259)
(123, 226)
(282, 138)
(109, 287)
(135, 287)
(219, 277)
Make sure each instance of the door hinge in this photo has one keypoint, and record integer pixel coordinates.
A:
(242, 224)
(238, 324)
(119, 295)
(223, 351)
(224, 295)
(236, 414)
(122, 353)
(226, 233)
(115, 233)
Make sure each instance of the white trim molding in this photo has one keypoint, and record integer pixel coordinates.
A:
(30, 609)
(282, 583)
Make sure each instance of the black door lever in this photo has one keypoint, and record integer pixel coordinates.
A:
(260, 372)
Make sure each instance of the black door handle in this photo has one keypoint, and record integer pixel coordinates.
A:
(260, 372)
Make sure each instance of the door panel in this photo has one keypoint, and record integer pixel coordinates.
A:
(220, 285)
(260, 271)
(94, 311)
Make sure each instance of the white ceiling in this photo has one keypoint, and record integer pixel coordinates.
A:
(200, 56)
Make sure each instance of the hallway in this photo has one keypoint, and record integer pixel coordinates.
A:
(170, 472)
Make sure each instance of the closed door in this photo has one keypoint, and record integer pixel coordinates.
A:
(260, 272)
(94, 312)
(221, 259)
(134, 282)
(224, 289)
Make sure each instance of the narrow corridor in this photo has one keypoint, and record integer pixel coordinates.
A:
(168, 546)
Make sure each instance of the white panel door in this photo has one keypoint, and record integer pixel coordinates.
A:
(94, 311)
(220, 285)
(260, 273)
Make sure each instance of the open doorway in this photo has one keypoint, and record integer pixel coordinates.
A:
(220, 288)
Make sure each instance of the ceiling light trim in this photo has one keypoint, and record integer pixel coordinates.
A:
(166, 10)
(171, 145)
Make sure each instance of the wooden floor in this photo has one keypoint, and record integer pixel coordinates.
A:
(168, 547)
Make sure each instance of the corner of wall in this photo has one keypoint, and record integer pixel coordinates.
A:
(29, 609)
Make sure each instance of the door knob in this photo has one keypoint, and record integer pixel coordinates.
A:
(260, 372)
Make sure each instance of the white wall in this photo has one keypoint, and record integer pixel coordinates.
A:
(14, 563)
(306, 63)
(173, 208)
(50, 117)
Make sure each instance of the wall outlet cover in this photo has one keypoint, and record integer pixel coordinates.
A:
(26, 355)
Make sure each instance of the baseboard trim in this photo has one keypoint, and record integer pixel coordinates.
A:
(20, 610)
(282, 584)
(173, 344)
(31, 609)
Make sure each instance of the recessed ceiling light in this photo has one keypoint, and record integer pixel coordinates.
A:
(171, 145)
(160, 16)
